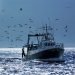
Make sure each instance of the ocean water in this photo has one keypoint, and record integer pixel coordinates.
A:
(12, 64)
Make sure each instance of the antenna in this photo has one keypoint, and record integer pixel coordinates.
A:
(46, 28)
(51, 27)
(49, 20)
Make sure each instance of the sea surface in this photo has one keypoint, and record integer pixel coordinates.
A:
(12, 64)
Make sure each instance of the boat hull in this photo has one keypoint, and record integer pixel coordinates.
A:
(55, 53)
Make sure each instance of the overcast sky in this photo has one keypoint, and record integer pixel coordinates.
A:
(20, 17)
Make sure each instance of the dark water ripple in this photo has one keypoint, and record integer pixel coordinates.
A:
(15, 66)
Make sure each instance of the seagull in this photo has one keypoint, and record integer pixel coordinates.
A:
(21, 31)
(30, 19)
(20, 25)
(25, 24)
(13, 29)
(56, 29)
(8, 26)
(64, 35)
(66, 26)
(5, 31)
(68, 7)
(21, 9)
(30, 27)
(7, 37)
(11, 40)
(66, 30)
(57, 19)
(11, 17)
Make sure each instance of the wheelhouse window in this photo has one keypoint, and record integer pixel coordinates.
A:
(49, 44)
(45, 44)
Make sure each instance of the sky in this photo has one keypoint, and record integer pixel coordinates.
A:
(20, 17)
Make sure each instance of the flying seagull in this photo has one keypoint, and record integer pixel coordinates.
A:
(21, 9)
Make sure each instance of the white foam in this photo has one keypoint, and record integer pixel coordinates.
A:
(70, 48)
(14, 50)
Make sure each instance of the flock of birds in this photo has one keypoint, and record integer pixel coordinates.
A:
(19, 38)
(14, 33)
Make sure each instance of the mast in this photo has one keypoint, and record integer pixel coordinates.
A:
(46, 35)
(27, 47)
(46, 29)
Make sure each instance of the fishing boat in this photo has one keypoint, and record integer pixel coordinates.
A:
(46, 48)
